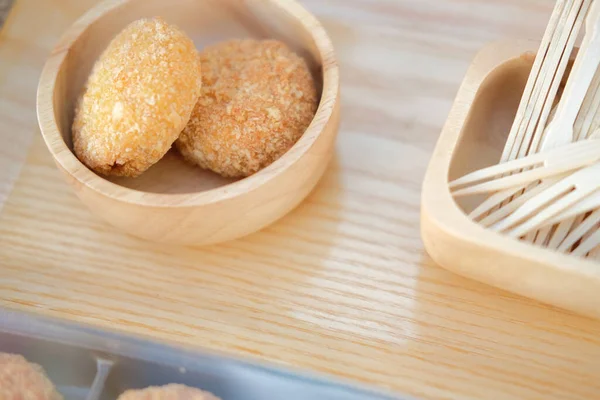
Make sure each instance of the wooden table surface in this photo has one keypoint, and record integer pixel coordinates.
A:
(341, 285)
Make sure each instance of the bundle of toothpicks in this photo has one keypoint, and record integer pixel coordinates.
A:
(546, 187)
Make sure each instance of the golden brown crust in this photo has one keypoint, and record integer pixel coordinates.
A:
(258, 98)
(138, 98)
(20, 379)
(167, 392)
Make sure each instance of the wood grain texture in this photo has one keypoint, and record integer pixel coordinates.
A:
(341, 285)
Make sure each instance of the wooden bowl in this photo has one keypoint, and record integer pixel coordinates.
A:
(473, 137)
(173, 202)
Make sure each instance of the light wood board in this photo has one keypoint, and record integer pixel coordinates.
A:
(341, 285)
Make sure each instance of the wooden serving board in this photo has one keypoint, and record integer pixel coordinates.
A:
(342, 284)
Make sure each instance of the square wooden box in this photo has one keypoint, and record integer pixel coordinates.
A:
(473, 137)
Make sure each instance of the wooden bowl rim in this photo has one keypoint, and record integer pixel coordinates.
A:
(438, 206)
(81, 173)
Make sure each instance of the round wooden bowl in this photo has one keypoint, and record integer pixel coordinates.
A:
(174, 202)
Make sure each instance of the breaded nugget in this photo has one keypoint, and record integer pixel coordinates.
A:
(22, 380)
(258, 98)
(138, 98)
(168, 392)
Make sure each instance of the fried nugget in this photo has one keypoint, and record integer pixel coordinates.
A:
(22, 380)
(167, 392)
(138, 98)
(258, 98)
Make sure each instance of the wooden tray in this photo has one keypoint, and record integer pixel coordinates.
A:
(473, 138)
(342, 285)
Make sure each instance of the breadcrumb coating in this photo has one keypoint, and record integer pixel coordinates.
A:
(168, 392)
(258, 98)
(22, 380)
(138, 98)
